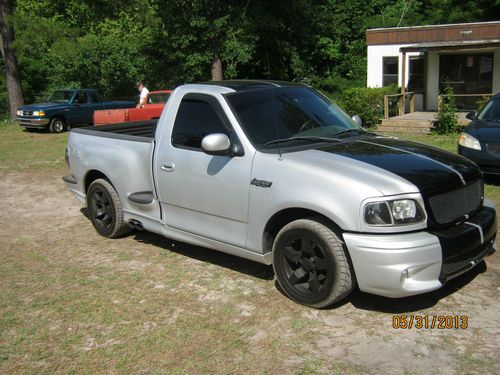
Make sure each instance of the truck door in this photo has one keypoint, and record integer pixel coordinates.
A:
(202, 194)
(83, 109)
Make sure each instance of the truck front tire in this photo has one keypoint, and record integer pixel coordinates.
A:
(105, 209)
(310, 264)
(57, 125)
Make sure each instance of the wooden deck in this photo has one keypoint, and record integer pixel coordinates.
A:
(415, 122)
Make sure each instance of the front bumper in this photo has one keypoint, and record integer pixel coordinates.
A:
(32, 122)
(401, 265)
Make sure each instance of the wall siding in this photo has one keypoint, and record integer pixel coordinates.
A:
(429, 34)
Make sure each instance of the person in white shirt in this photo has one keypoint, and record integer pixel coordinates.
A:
(143, 93)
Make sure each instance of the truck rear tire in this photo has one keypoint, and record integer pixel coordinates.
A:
(310, 264)
(57, 125)
(105, 209)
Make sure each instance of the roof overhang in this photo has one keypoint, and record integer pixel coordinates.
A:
(452, 46)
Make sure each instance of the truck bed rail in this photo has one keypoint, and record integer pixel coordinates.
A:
(128, 130)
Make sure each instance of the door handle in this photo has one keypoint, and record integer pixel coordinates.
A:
(167, 166)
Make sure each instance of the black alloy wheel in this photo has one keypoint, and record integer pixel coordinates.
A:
(105, 209)
(306, 266)
(102, 209)
(310, 263)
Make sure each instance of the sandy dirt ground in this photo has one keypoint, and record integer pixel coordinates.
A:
(264, 331)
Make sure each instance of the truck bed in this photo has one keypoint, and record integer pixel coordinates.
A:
(122, 115)
(138, 131)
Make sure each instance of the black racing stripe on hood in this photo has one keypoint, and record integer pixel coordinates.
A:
(466, 168)
(425, 173)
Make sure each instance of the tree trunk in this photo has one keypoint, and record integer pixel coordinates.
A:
(11, 71)
(216, 69)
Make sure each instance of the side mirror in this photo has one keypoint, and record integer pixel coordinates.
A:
(357, 120)
(216, 144)
(471, 115)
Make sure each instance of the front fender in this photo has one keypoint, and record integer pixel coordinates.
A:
(295, 185)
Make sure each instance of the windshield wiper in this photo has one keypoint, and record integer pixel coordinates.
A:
(302, 138)
(348, 131)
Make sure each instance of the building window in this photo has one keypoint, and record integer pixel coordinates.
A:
(416, 79)
(467, 73)
(390, 71)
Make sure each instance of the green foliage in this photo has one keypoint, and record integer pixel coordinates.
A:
(367, 103)
(107, 49)
(110, 44)
(447, 116)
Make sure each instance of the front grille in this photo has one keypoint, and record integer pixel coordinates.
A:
(454, 204)
(489, 169)
(27, 113)
(493, 149)
(466, 261)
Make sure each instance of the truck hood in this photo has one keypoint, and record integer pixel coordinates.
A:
(429, 169)
(485, 131)
(43, 106)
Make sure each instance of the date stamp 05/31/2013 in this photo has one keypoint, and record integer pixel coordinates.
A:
(430, 321)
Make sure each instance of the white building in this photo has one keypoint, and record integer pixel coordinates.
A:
(421, 59)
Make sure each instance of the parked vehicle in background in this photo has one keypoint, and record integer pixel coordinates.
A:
(66, 109)
(480, 140)
(276, 173)
(155, 102)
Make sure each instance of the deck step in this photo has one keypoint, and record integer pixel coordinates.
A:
(415, 123)
(416, 126)
(408, 124)
(403, 129)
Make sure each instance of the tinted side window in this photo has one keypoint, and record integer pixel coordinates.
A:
(80, 98)
(94, 98)
(195, 119)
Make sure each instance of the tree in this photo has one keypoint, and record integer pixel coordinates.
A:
(204, 38)
(9, 55)
(111, 44)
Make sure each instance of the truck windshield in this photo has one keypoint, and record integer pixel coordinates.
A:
(61, 96)
(292, 115)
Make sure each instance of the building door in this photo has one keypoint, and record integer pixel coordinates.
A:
(470, 74)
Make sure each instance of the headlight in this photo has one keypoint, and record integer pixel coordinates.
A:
(39, 113)
(467, 140)
(19, 112)
(396, 212)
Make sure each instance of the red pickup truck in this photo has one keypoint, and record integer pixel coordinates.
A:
(155, 101)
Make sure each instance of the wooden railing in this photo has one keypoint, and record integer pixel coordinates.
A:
(480, 96)
(401, 103)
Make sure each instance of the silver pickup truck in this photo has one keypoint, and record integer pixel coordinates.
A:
(276, 173)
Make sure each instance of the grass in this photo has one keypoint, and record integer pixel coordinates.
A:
(445, 142)
(21, 150)
(73, 302)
